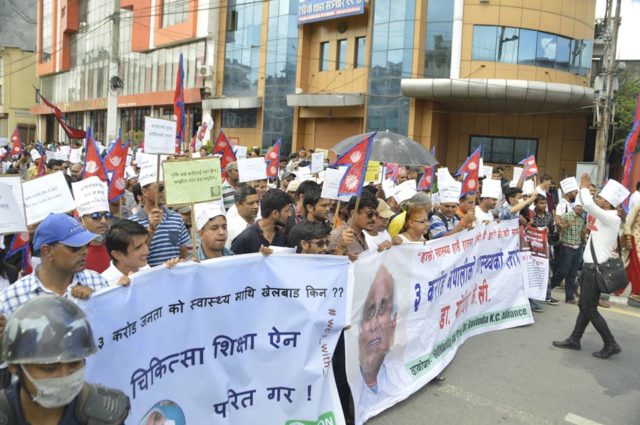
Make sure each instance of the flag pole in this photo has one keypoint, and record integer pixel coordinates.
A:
(194, 229)
(336, 216)
(157, 179)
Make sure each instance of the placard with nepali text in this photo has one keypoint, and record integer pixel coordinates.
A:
(45, 195)
(193, 181)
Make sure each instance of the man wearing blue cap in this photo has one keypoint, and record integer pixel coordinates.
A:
(62, 243)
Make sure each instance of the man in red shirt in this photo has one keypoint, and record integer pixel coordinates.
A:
(97, 256)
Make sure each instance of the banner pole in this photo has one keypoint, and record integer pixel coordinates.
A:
(336, 216)
(194, 234)
(157, 178)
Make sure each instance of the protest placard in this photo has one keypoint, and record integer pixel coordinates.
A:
(11, 216)
(240, 151)
(75, 156)
(159, 136)
(373, 171)
(331, 184)
(443, 293)
(303, 173)
(91, 195)
(317, 162)
(46, 195)
(193, 181)
(16, 187)
(250, 169)
(65, 152)
(211, 339)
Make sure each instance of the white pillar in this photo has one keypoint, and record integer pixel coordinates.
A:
(456, 39)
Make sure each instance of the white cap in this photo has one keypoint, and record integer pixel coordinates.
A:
(569, 184)
(614, 193)
(450, 194)
(206, 211)
(35, 155)
(148, 174)
(491, 189)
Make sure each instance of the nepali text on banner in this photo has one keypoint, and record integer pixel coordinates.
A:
(225, 341)
(414, 305)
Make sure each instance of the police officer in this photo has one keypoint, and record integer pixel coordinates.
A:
(46, 342)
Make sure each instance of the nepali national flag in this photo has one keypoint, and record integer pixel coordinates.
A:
(471, 171)
(20, 245)
(93, 165)
(178, 106)
(115, 163)
(391, 172)
(16, 144)
(426, 181)
(116, 155)
(530, 168)
(198, 137)
(42, 167)
(273, 159)
(72, 133)
(356, 160)
(223, 147)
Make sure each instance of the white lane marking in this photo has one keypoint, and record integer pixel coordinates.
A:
(579, 420)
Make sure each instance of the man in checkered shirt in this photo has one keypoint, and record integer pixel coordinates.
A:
(62, 244)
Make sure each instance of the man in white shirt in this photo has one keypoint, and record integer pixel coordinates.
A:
(569, 187)
(604, 224)
(247, 203)
(128, 246)
(379, 234)
(491, 192)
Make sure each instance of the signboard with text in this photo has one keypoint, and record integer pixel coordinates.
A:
(322, 10)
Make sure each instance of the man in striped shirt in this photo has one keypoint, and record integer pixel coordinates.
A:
(230, 184)
(169, 236)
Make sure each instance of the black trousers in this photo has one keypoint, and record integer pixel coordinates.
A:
(589, 297)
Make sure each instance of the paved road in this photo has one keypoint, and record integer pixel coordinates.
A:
(516, 377)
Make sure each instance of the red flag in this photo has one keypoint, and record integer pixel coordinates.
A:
(93, 165)
(16, 144)
(223, 147)
(20, 245)
(355, 159)
(116, 155)
(42, 167)
(530, 167)
(470, 170)
(198, 136)
(273, 159)
(73, 133)
(391, 171)
(426, 181)
(178, 106)
(118, 183)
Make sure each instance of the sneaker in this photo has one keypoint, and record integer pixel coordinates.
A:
(551, 301)
(536, 309)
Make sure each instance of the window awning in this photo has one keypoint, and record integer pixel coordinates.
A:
(495, 95)
(325, 99)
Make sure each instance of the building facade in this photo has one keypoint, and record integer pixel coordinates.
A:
(17, 70)
(510, 75)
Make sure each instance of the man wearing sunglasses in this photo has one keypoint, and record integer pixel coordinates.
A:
(349, 238)
(61, 242)
(97, 255)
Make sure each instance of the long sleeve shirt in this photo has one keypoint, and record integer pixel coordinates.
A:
(604, 226)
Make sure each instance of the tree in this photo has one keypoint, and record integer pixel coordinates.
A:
(626, 101)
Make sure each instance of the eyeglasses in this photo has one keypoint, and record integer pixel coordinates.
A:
(320, 243)
(97, 216)
(372, 213)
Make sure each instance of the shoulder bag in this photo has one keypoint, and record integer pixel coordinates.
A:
(611, 275)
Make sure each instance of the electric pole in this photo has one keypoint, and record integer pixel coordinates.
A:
(604, 104)
(114, 81)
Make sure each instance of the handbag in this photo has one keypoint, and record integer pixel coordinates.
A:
(611, 275)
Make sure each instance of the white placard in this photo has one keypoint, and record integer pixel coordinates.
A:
(52, 155)
(481, 169)
(303, 174)
(16, 188)
(35, 155)
(331, 184)
(590, 168)
(487, 171)
(11, 217)
(91, 195)
(65, 151)
(444, 177)
(240, 151)
(46, 195)
(75, 156)
(317, 162)
(517, 173)
(250, 169)
(528, 187)
(159, 136)
(129, 159)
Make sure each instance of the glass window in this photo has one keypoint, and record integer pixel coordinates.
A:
(527, 47)
(342, 54)
(324, 56)
(239, 118)
(484, 43)
(563, 51)
(585, 59)
(439, 32)
(505, 150)
(546, 49)
(507, 49)
(361, 49)
(174, 12)
(47, 29)
(242, 52)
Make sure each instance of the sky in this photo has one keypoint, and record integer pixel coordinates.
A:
(629, 34)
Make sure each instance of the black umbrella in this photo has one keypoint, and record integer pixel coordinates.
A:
(390, 147)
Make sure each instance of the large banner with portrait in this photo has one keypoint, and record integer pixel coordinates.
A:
(415, 304)
(234, 340)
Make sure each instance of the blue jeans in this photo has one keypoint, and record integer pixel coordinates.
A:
(567, 267)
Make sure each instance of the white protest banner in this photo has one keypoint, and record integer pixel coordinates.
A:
(159, 136)
(11, 216)
(65, 152)
(52, 154)
(46, 195)
(240, 151)
(437, 296)
(331, 184)
(250, 169)
(16, 187)
(91, 195)
(75, 156)
(224, 352)
(317, 162)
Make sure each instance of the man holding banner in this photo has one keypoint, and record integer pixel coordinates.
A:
(211, 223)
